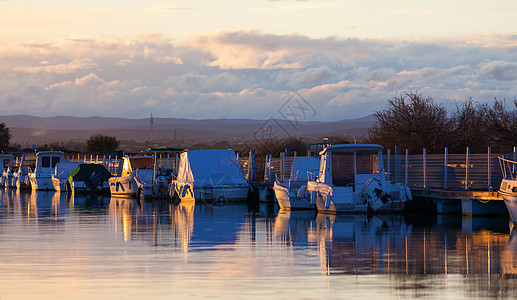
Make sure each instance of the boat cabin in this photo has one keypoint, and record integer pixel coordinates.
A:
(350, 165)
(131, 163)
(5, 161)
(46, 161)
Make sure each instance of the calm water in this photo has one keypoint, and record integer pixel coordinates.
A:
(111, 248)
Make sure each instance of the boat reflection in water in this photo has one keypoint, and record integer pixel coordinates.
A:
(194, 249)
(358, 244)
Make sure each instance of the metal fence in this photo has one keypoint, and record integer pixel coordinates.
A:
(114, 165)
(467, 171)
(480, 171)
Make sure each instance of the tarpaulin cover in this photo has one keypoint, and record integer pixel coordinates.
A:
(64, 168)
(210, 167)
(83, 172)
(301, 165)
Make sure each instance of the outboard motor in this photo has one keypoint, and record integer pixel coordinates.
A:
(95, 180)
(373, 195)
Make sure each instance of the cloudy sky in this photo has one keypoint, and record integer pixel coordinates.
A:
(244, 59)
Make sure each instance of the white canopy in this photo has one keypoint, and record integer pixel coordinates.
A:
(210, 167)
(63, 169)
(301, 165)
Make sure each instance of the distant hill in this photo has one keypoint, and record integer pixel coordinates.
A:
(43, 130)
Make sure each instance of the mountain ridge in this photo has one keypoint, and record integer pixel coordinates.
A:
(38, 130)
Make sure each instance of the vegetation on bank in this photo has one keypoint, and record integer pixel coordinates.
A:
(412, 121)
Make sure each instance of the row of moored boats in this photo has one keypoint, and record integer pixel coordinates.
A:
(343, 178)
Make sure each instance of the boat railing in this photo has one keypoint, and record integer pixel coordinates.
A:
(508, 168)
(312, 175)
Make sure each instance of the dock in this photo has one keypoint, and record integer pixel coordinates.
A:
(464, 202)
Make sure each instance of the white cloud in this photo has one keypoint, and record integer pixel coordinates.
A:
(247, 74)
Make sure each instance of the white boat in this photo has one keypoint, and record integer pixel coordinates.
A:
(60, 175)
(292, 194)
(136, 179)
(213, 176)
(6, 161)
(165, 168)
(21, 174)
(351, 178)
(41, 177)
(508, 187)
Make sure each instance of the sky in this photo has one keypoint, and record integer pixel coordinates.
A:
(203, 59)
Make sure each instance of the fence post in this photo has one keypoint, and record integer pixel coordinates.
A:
(467, 169)
(282, 165)
(269, 167)
(446, 158)
(425, 168)
(388, 169)
(265, 169)
(251, 166)
(406, 179)
(489, 169)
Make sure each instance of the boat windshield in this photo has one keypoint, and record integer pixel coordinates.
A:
(367, 162)
(142, 163)
(343, 168)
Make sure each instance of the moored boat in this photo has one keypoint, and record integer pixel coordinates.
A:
(92, 178)
(351, 179)
(136, 179)
(212, 175)
(292, 193)
(26, 164)
(41, 177)
(508, 187)
(6, 165)
(60, 175)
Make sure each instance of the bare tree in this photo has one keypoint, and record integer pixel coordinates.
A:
(412, 122)
(469, 128)
(501, 126)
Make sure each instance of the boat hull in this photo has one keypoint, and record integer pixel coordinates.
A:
(510, 200)
(9, 180)
(330, 199)
(210, 194)
(41, 183)
(127, 186)
(288, 200)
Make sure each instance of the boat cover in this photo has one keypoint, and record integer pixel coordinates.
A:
(303, 164)
(63, 169)
(83, 172)
(210, 167)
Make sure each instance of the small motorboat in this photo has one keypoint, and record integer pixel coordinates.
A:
(292, 193)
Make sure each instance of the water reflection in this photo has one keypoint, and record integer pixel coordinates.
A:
(238, 247)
